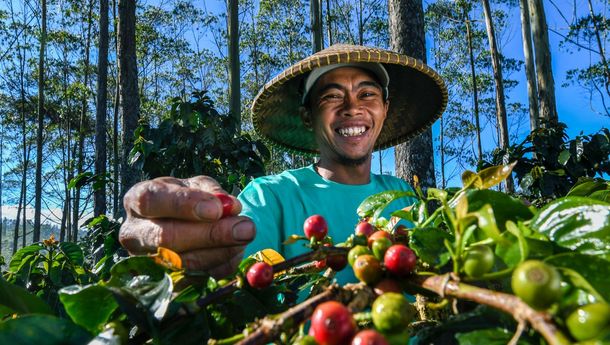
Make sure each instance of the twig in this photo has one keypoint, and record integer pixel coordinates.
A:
(539, 320)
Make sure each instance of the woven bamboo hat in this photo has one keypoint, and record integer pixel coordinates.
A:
(417, 96)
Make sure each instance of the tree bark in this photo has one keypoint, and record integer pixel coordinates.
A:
(116, 208)
(316, 25)
(498, 79)
(234, 73)
(99, 201)
(329, 23)
(129, 98)
(530, 71)
(406, 26)
(41, 111)
(544, 72)
(475, 89)
(81, 127)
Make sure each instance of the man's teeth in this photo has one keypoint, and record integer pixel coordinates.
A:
(351, 131)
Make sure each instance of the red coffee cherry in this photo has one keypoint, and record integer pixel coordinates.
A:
(316, 227)
(227, 203)
(365, 229)
(369, 337)
(399, 260)
(260, 275)
(332, 324)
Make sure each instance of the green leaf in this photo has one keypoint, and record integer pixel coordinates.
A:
(374, 204)
(577, 223)
(504, 207)
(42, 330)
(427, 243)
(487, 222)
(493, 175)
(489, 336)
(587, 272)
(20, 301)
(602, 195)
(125, 270)
(88, 306)
(587, 187)
(72, 251)
(17, 259)
(564, 157)
(471, 179)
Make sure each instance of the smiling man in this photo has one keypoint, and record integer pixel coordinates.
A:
(339, 104)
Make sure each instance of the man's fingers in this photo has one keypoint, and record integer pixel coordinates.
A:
(211, 259)
(145, 235)
(226, 268)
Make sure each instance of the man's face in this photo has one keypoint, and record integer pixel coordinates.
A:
(347, 110)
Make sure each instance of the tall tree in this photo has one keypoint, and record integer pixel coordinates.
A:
(406, 25)
(129, 98)
(41, 113)
(542, 53)
(530, 71)
(316, 25)
(99, 207)
(499, 82)
(475, 88)
(234, 75)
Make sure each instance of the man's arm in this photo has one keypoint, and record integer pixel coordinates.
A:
(184, 215)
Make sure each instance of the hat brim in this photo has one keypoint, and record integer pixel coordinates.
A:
(417, 96)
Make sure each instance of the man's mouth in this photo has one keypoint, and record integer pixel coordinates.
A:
(351, 131)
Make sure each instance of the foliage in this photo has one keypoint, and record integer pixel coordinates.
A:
(152, 297)
(548, 164)
(194, 139)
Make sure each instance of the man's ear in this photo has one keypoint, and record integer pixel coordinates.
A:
(306, 117)
(386, 106)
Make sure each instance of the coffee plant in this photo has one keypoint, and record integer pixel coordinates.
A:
(482, 267)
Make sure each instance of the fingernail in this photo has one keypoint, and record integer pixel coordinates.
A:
(243, 231)
(208, 209)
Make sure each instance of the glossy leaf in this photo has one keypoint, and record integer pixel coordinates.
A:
(493, 175)
(577, 223)
(125, 270)
(17, 259)
(490, 336)
(20, 301)
(88, 306)
(42, 330)
(504, 206)
(471, 179)
(427, 243)
(374, 204)
(587, 272)
(73, 252)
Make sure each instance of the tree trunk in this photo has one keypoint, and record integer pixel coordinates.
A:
(600, 45)
(406, 26)
(500, 101)
(81, 128)
(544, 72)
(115, 126)
(129, 98)
(41, 111)
(530, 71)
(329, 23)
(99, 202)
(234, 75)
(316, 25)
(475, 89)
(1, 175)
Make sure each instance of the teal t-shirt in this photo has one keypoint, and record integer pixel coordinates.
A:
(279, 205)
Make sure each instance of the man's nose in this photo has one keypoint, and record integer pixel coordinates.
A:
(351, 105)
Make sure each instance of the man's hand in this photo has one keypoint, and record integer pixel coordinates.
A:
(185, 216)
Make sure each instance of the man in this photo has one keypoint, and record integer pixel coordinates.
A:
(339, 104)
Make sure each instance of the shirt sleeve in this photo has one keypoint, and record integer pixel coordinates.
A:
(260, 204)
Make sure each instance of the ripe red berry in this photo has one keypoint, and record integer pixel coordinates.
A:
(260, 275)
(365, 229)
(399, 260)
(227, 204)
(337, 262)
(316, 227)
(332, 324)
(378, 234)
(320, 264)
(369, 337)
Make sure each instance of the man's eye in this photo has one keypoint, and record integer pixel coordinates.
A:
(332, 96)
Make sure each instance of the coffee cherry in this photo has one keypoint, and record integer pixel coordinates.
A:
(391, 312)
(399, 260)
(260, 275)
(367, 269)
(365, 229)
(332, 324)
(380, 246)
(369, 337)
(537, 284)
(387, 285)
(315, 227)
(589, 321)
(356, 252)
(336, 262)
(227, 204)
(478, 260)
(401, 235)
(378, 234)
